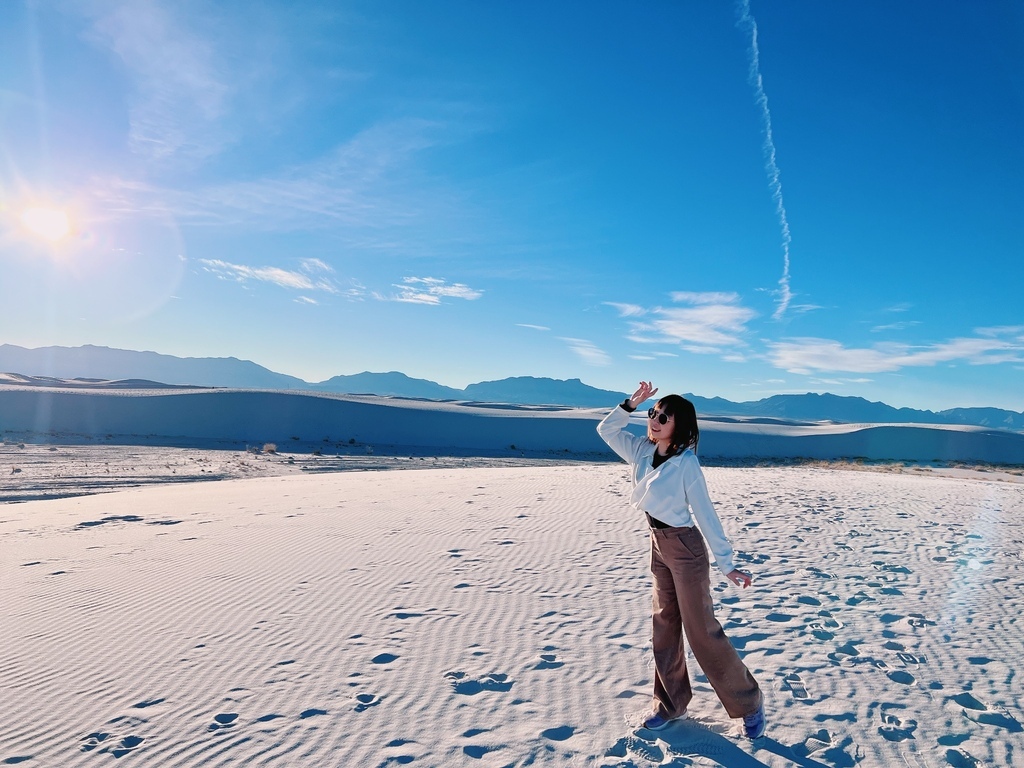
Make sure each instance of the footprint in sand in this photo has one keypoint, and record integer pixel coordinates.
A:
(893, 728)
(94, 740)
(632, 746)
(105, 743)
(549, 660)
(825, 626)
(795, 685)
(909, 658)
(827, 747)
(223, 720)
(844, 652)
(476, 751)
(470, 687)
(126, 746)
(366, 700)
(958, 758)
(902, 677)
(981, 713)
(561, 733)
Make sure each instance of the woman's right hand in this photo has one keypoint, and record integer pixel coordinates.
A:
(643, 392)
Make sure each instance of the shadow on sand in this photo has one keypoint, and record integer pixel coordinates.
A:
(715, 741)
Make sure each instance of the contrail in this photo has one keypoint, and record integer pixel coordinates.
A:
(770, 165)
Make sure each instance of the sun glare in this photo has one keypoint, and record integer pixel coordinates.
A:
(51, 224)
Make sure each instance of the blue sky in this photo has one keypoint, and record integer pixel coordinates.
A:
(727, 199)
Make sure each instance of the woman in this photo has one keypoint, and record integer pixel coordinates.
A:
(669, 487)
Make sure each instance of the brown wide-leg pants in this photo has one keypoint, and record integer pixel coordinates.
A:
(684, 612)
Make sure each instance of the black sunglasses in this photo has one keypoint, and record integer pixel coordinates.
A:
(653, 414)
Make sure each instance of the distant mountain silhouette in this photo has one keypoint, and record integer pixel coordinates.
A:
(112, 365)
(528, 390)
(89, 362)
(392, 384)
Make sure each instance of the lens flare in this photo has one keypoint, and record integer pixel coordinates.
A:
(50, 224)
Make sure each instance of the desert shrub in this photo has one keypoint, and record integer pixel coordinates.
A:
(269, 448)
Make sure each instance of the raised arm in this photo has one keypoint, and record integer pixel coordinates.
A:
(612, 428)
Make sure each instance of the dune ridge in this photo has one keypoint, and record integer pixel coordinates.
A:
(235, 418)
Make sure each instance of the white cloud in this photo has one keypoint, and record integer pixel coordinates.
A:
(707, 297)
(902, 326)
(1003, 330)
(627, 310)
(588, 352)
(839, 382)
(179, 87)
(533, 327)
(275, 275)
(430, 290)
(771, 165)
(315, 265)
(809, 355)
(713, 321)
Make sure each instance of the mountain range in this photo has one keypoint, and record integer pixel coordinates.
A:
(104, 364)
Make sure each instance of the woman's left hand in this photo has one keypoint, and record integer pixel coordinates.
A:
(739, 578)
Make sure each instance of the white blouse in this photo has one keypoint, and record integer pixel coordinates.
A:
(675, 493)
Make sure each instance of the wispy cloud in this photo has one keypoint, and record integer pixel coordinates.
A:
(771, 164)
(712, 322)
(706, 297)
(627, 310)
(588, 352)
(533, 327)
(179, 88)
(811, 355)
(315, 265)
(652, 355)
(430, 290)
(369, 189)
(838, 382)
(306, 280)
(1016, 331)
(902, 326)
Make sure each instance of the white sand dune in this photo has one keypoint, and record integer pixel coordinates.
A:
(498, 617)
(226, 418)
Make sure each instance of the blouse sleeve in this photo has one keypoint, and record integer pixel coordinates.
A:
(612, 430)
(707, 519)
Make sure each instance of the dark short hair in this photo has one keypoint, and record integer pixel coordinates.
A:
(685, 432)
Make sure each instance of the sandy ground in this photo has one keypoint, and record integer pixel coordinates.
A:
(493, 617)
(44, 471)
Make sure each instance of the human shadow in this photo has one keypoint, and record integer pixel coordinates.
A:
(691, 737)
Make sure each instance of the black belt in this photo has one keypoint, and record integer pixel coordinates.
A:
(656, 523)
